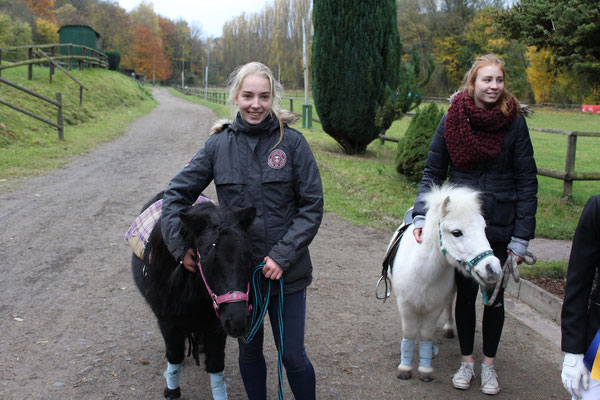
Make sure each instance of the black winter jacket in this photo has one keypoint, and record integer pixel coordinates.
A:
(282, 183)
(508, 182)
(580, 318)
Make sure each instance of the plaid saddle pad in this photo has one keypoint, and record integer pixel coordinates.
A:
(138, 234)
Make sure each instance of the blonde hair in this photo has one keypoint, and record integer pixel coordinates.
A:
(235, 80)
(505, 100)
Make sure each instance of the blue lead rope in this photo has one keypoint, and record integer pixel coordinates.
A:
(259, 310)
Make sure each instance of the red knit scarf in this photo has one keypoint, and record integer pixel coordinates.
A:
(474, 134)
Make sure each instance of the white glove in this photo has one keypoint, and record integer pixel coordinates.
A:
(574, 373)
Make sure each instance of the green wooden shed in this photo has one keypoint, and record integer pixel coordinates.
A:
(77, 34)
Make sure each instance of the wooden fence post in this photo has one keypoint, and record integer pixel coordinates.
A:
(30, 66)
(59, 117)
(570, 164)
(70, 55)
(51, 64)
(292, 105)
(0, 63)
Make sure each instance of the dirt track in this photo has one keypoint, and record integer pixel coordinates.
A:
(73, 325)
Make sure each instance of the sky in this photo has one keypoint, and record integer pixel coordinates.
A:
(211, 15)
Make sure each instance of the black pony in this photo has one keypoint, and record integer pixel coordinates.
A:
(180, 299)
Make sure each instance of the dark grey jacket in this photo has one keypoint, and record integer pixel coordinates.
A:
(508, 182)
(282, 183)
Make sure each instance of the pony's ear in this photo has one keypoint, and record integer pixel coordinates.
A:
(194, 221)
(445, 206)
(245, 216)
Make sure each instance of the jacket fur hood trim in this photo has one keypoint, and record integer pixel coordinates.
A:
(287, 117)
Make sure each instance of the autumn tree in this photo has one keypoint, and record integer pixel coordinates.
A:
(456, 31)
(113, 24)
(67, 15)
(272, 36)
(84, 7)
(355, 56)
(45, 31)
(149, 57)
(198, 55)
(144, 14)
(13, 31)
(177, 44)
(17, 10)
(41, 8)
(551, 85)
(568, 28)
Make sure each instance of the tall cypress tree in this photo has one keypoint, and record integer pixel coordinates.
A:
(355, 56)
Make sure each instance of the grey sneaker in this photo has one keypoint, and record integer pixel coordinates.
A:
(462, 377)
(489, 379)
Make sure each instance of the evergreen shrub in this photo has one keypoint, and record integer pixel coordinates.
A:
(412, 150)
(114, 59)
(355, 58)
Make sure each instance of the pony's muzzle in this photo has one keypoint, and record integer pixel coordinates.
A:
(235, 318)
(488, 272)
(493, 275)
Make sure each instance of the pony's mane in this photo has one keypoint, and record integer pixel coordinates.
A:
(467, 198)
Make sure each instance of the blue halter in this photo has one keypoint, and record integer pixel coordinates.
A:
(467, 265)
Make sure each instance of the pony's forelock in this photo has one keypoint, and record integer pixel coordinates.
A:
(466, 198)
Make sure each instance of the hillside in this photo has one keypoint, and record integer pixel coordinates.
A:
(29, 147)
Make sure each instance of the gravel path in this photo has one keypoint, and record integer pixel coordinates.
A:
(73, 326)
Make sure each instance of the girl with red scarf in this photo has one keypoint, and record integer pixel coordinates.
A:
(483, 142)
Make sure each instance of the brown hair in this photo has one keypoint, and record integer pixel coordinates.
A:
(505, 100)
(255, 68)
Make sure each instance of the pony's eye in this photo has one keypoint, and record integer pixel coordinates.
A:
(457, 233)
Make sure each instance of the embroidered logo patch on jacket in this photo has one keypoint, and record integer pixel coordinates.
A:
(277, 159)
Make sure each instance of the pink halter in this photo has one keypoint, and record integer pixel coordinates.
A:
(230, 297)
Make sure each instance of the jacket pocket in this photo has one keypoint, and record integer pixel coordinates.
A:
(230, 187)
(500, 208)
(278, 187)
(280, 176)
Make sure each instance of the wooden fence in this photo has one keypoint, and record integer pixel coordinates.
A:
(220, 97)
(58, 103)
(31, 55)
(568, 175)
(35, 55)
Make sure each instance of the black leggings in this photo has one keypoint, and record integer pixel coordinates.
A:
(465, 312)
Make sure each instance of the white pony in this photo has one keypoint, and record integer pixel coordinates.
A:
(422, 274)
